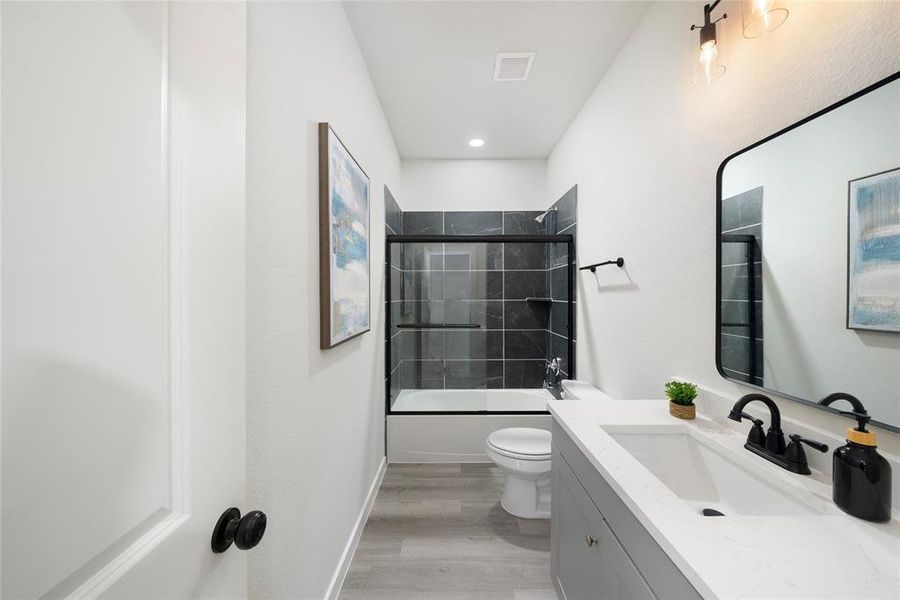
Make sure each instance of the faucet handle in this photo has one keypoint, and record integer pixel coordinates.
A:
(756, 436)
(797, 439)
(796, 457)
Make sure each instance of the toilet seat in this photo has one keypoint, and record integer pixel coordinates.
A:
(521, 443)
(523, 454)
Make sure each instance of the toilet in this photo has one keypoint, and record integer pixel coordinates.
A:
(523, 454)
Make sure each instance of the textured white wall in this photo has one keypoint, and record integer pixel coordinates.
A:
(490, 184)
(644, 152)
(315, 430)
(809, 352)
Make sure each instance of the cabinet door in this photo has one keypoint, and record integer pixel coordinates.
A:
(588, 561)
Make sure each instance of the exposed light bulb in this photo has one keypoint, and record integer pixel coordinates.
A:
(761, 7)
(708, 55)
(762, 16)
(476, 142)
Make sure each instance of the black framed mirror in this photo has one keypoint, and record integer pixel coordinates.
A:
(808, 257)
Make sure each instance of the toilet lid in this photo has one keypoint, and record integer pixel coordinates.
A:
(524, 441)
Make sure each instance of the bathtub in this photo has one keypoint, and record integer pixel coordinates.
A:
(442, 438)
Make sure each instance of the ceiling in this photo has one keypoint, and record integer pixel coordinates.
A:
(433, 63)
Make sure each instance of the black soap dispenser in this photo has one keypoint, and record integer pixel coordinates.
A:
(862, 477)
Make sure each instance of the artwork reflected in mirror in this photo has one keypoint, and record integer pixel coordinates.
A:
(874, 253)
(809, 257)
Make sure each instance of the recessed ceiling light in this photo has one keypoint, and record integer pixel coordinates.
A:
(476, 142)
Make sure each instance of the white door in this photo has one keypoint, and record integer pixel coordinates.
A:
(122, 313)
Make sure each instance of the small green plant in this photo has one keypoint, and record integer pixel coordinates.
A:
(681, 392)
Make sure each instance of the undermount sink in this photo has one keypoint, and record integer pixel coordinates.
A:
(704, 477)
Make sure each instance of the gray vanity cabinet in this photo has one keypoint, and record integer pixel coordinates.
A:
(588, 561)
(599, 550)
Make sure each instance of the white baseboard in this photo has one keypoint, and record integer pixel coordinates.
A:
(337, 580)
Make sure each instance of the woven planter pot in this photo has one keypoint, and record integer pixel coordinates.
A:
(683, 412)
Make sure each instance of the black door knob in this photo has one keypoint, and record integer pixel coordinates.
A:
(244, 532)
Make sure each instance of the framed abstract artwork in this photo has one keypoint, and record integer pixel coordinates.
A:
(344, 286)
(873, 253)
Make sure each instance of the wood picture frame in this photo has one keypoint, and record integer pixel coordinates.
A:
(344, 243)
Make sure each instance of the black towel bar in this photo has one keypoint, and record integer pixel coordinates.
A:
(619, 262)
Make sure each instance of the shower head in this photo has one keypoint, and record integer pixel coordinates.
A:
(540, 218)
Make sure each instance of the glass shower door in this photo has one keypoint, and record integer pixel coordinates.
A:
(469, 316)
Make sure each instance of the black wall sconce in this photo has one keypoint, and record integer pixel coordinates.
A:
(709, 54)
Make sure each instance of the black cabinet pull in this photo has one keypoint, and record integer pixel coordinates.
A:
(244, 532)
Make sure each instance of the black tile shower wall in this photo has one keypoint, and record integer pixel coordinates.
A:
(523, 223)
(561, 218)
(483, 285)
(393, 224)
(393, 216)
(423, 223)
(742, 214)
(473, 223)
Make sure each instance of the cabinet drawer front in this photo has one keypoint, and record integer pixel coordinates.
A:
(664, 578)
(588, 561)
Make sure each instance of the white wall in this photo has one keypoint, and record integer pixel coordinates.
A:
(644, 152)
(315, 431)
(808, 350)
(490, 184)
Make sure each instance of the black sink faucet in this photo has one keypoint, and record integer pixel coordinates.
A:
(774, 438)
(770, 445)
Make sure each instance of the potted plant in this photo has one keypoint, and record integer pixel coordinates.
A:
(681, 399)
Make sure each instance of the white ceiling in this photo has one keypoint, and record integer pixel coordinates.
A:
(433, 63)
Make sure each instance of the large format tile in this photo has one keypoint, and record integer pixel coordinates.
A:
(519, 285)
(523, 223)
(422, 285)
(473, 285)
(474, 374)
(422, 374)
(423, 344)
(559, 283)
(422, 256)
(520, 314)
(473, 223)
(393, 216)
(566, 210)
(473, 256)
(525, 374)
(559, 317)
(423, 222)
(525, 344)
(473, 344)
(525, 255)
(742, 209)
(558, 254)
(487, 313)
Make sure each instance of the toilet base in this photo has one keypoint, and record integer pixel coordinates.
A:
(526, 498)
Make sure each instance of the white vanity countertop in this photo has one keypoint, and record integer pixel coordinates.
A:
(832, 555)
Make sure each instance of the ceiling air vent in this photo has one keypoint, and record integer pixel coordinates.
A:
(513, 66)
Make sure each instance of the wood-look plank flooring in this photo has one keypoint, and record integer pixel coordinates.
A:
(437, 532)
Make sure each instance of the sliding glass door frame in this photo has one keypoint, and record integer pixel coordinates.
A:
(567, 239)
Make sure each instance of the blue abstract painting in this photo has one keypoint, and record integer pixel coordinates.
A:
(348, 214)
(874, 253)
